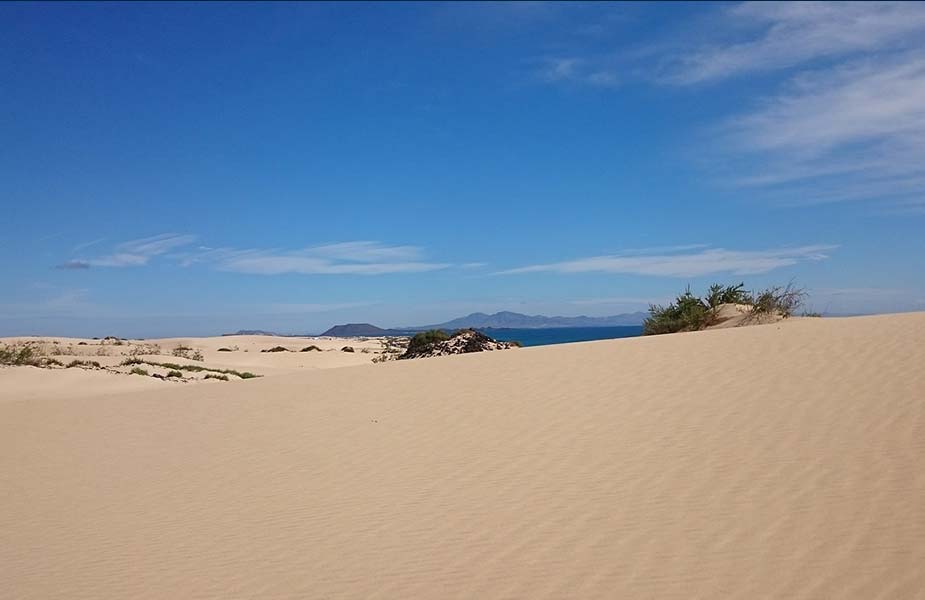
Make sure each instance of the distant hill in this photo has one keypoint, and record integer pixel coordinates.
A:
(251, 332)
(512, 320)
(357, 330)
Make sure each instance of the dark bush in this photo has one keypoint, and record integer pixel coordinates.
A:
(276, 349)
(311, 348)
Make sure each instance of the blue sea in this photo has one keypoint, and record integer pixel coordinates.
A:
(563, 335)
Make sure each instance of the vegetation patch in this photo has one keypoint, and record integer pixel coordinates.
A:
(276, 349)
(20, 356)
(174, 374)
(187, 352)
(691, 313)
(138, 371)
(190, 368)
(312, 348)
(347, 349)
(216, 376)
(84, 363)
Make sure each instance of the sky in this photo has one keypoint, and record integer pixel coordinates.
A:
(194, 169)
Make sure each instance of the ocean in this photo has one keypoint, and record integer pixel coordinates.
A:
(562, 335)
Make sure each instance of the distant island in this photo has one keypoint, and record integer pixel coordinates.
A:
(513, 320)
(359, 330)
(499, 320)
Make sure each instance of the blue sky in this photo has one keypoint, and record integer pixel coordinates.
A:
(172, 169)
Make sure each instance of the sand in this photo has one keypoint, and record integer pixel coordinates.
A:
(775, 461)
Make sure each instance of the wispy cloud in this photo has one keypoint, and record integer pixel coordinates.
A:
(347, 258)
(587, 71)
(687, 264)
(852, 132)
(787, 34)
(73, 265)
(134, 253)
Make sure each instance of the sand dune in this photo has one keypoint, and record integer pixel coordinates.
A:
(775, 461)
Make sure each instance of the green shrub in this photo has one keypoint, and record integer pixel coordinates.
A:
(138, 371)
(727, 294)
(174, 374)
(686, 313)
(425, 339)
(216, 376)
(245, 375)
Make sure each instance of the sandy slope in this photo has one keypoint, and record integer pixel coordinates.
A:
(245, 354)
(777, 461)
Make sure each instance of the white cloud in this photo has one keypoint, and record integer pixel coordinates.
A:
(134, 253)
(689, 264)
(789, 34)
(347, 258)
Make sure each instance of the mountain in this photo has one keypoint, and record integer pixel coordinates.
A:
(512, 320)
(357, 330)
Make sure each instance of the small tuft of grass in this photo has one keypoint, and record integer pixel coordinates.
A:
(84, 363)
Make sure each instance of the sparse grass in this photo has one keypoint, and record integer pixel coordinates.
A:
(811, 314)
(190, 368)
(138, 371)
(187, 352)
(778, 300)
(312, 348)
(84, 363)
(216, 376)
(25, 356)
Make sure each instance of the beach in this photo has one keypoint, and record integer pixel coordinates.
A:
(772, 461)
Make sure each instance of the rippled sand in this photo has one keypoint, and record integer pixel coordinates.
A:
(775, 461)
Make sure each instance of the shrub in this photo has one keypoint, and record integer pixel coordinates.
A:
(427, 338)
(245, 375)
(225, 350)
(81, 343)
(216, 376)
(138, 371)
(312, 348)
(778, 300)
(686, 313)
(10, 355)
(174, 374)
(276, 349)
(728, 294)
(347, 349)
